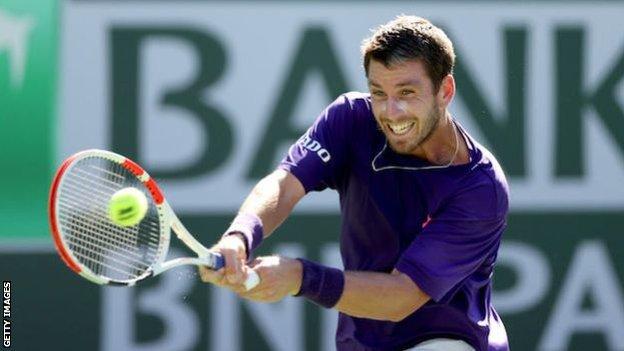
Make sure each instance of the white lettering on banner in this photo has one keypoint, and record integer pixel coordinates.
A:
(281, 323)
(225, 320)
(165, 301)
(14, 40)
(248, 89)
(162, 125)
(532, 272)
(591, 274)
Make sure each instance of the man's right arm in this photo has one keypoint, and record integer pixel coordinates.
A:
(274, 197)
(271, 200)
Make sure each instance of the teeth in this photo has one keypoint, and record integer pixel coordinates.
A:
(400, 128)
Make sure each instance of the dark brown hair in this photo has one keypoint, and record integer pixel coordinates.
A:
(411, 38)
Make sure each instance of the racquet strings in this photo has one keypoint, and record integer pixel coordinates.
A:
(108, 250)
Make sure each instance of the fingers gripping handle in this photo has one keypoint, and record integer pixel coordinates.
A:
(210, 259)
(217, 262)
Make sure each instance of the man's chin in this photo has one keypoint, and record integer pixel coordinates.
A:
(401, 148)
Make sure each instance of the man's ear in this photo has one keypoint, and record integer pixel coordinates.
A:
(447, 90)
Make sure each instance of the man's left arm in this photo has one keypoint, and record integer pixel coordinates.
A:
(374, 295)
(450, 247)
(380, 296)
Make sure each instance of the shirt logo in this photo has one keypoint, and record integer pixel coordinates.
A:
(314, 146)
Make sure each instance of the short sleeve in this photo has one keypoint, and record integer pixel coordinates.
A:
(317, 159)
(455, 243)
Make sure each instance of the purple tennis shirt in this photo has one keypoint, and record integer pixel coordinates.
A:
(441, 227)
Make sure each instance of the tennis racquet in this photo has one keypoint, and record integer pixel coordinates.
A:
(102, 251)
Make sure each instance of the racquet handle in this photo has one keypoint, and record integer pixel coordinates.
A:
(218, 262)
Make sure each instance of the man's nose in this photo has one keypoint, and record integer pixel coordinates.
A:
(394, 108)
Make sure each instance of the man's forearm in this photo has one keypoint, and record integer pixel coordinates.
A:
(380, 296)
(273, 198)
(270, 202)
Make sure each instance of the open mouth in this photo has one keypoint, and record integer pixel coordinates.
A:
(401, 128)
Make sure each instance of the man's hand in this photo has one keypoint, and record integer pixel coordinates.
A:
(232, 247)
(279, 277)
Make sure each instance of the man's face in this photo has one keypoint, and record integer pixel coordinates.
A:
(404, 103)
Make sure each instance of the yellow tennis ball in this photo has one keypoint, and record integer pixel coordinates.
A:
(127, 207)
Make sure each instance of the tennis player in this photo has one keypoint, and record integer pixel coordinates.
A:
(423, 208)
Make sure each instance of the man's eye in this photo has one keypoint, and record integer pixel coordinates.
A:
(406, 92)
(378, 93)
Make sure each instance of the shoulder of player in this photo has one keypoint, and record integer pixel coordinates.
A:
(352, 103)
(492, 169)
(348, 110)
(484, 192)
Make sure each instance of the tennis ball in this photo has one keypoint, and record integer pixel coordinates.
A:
(127, 207)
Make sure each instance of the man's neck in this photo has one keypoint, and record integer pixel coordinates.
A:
(443, 143)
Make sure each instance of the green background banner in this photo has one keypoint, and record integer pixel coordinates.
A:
(575, 311)
(28, 93)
